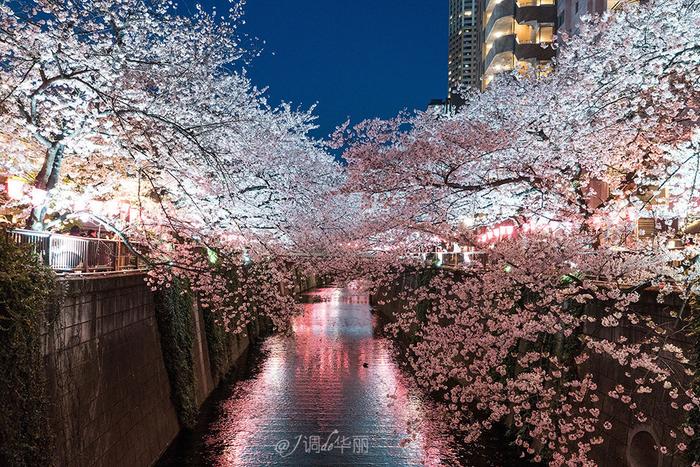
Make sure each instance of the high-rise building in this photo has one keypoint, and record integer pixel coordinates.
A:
(570, 12)
(515, 36)
(464, 48)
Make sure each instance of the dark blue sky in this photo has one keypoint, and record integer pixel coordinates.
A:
(356, 58)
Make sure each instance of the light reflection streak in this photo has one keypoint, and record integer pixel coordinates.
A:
(332, 373)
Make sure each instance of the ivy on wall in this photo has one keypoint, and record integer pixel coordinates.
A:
(27, 292)
(174, 316)
(216, 344)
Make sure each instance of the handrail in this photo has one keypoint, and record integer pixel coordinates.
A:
(72, 254)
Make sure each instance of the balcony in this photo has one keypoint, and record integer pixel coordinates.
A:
(539, 13)
(521, 12)
(521, 50)
(501, 10)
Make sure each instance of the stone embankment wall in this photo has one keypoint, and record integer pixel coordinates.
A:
(630, 443)
(108, 385)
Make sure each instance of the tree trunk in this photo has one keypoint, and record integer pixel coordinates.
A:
(46, 179)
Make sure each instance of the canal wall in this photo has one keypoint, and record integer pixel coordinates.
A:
(629, 443)
(111, 398)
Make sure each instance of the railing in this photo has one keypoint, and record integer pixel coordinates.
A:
(450, 260)
(70, 254)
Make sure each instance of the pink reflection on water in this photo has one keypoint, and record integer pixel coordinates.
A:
(332, 373)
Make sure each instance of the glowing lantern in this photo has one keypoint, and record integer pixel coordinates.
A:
(38, 196)
(96, 206)
(111, 208)
(124, 211)
(15, 188)
(80, 204)
(467, 221)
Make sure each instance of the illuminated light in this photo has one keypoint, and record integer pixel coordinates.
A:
(97, 206)
(468, 221)
(489, 235)
(124, 210)
(484, 238)
(111, 208)
(15, 188)
(38, 196)
(508, 268)
(80, 204)
(335, 298)
(509, 230)
(502, 231)
(246, 258)
(526, 227)
(212, 256)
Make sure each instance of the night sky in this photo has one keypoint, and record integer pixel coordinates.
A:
(355, 58)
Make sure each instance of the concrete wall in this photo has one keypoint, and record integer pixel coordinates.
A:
(630, 439)
(108, 385)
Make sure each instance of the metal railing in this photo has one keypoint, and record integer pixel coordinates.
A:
(447, 259)
(71, 254)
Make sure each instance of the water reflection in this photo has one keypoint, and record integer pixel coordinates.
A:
(328, 394)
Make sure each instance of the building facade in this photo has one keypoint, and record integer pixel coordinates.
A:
(570, 12)
(488, 37)
(464, 45)
(516, 34)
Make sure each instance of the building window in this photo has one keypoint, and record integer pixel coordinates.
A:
(546, 34)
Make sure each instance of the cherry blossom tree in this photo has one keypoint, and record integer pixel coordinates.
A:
(133, 91)
(129, 101)
(563, 164)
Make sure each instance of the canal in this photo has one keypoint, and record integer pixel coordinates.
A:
(329, 393)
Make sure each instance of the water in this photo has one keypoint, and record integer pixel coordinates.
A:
(330, 394)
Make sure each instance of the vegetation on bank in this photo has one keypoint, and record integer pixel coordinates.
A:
(174, 317)
(27, 291)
